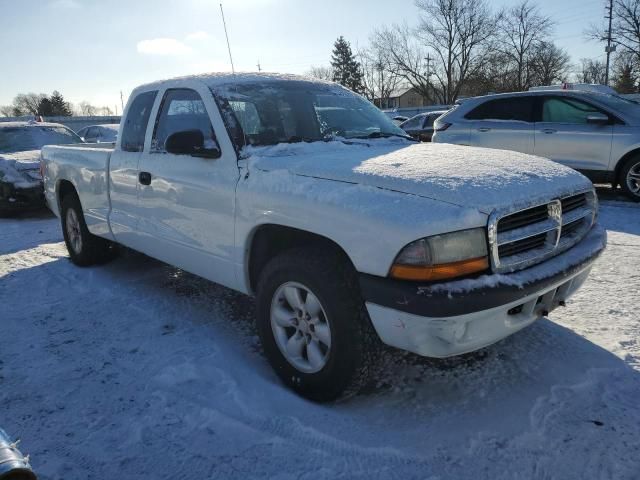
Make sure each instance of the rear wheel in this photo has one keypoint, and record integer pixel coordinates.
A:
(312, 323)
(84, 248)
(630, 178)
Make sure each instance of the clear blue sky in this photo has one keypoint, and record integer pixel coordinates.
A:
(92, 49)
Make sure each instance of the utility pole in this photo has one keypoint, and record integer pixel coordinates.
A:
(380, 69)
(121, 100)
(609, 48)
(429, 60)
(258, 65)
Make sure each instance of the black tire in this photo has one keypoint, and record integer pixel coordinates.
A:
(632, 163)
(333, 281)
(92, 250)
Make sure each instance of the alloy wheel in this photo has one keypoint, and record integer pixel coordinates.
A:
(300, 327)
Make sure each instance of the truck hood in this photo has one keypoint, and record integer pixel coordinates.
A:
(485, 179)
(21, 169)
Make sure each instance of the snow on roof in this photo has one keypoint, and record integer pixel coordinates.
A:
(400, 92)
(110, 126)
(225, 78)
(29, 124)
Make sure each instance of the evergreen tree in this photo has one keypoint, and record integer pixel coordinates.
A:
(346, 70)
(624, 81)
(59, 106)
(45, 108)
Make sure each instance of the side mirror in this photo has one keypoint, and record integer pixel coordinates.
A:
(597, 119)
(190, 142)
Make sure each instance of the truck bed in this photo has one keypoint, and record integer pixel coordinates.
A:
(86, 166)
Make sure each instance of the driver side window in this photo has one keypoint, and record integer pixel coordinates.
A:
(182, 110)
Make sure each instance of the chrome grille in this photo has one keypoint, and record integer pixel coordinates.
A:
(521, 238)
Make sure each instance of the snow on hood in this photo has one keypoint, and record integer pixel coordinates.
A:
(22, 169)
(466, 176)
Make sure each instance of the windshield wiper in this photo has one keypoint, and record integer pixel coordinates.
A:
(298, 139)
(383, 135)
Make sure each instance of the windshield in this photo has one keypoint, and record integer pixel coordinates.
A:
(620, 104)
(293, 111)
(23, 138)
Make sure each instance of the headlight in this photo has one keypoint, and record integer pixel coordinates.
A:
(444, 256)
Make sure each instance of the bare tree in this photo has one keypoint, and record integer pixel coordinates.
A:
(378, 77)
(521, 28)
(549, 64)
(593, 71)
(405, 57)
(6, 110)
(28, 103)
(322, 72)
(86, 109)
(625, 27)
(459, 32)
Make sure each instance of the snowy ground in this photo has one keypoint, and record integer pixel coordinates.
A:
(136, 370)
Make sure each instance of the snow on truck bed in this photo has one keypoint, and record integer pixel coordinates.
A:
(136, 370)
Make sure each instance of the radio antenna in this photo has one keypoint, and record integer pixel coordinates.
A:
(227, 35)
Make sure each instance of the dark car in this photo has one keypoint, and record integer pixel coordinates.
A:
(107, 133)
(420, 127)
(20, 144)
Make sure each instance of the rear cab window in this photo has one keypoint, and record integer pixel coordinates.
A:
(510, 109)
(135, 126)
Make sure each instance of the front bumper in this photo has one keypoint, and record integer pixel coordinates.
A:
(18, 199)
(442, 320)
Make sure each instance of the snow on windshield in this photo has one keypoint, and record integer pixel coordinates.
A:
(29, 137)
(292, 111)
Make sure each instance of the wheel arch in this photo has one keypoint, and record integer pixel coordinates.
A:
(621, 162)
(63, 188)
(268, 240)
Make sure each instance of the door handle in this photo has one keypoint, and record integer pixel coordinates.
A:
(484, 129)
(144, 178)
(549, 130)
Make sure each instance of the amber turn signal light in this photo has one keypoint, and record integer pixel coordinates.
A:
(439, 272)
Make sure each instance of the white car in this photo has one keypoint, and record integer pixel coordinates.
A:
(346, 232)
(595, 133)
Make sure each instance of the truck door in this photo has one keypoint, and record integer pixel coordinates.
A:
(187, 201)
(123, 169)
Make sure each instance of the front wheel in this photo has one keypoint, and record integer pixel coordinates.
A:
(312, 323)
(630, 178)
(84, 248)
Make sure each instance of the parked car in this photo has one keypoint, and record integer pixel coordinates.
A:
(107, 133)
(435, 249)
(420, 127)
(595, 133)
(20, 179)
(398, 119)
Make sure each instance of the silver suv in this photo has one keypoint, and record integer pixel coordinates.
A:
(597, 134)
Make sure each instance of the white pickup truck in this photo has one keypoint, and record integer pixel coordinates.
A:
(307, 196)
